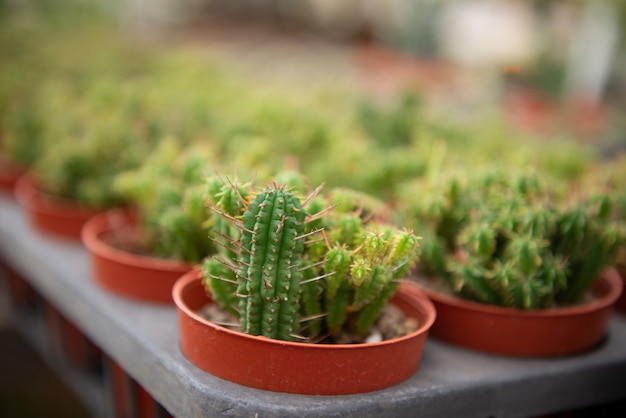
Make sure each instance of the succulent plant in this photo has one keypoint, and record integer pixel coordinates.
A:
(508, 239)
(168, 193)
(53, 44)
(609, 176)
(21, 133)
(390, 127)
(293, 268)
(92, 131)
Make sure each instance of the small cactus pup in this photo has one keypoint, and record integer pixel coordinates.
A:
(362, 260)
(295, 269)
(364, 275)
(507, 239)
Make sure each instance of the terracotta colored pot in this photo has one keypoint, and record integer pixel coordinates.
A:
(537, 333)
(124, 273)
(9, 174)
(312, 369)
(49, 214)
(530, 110)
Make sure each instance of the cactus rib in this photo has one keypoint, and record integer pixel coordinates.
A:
(272, 226)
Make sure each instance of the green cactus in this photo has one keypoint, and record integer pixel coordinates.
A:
(508, 239)
(390, 127)
(168, 192)
(295, 269)
(267, 263)
(270, 275)
(609, 176)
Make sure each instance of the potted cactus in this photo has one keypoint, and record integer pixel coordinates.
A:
(20, 84)
(19, 145)
(50, 86)
(140, 252)
(91, 131)
(609, 175)
(515, 267)
(303, 286)
(618, 187)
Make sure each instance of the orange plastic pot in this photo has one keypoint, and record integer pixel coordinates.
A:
(9, 174)
(49, 214)
(536, 333)
(124, 273)
(302, 368)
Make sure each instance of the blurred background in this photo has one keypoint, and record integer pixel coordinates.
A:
(548, 65)
(479, 76)
(552, 64)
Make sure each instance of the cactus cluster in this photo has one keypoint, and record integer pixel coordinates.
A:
(296, 268)
(508, 239)
(168, 194)
(390, 127)
(610, 177)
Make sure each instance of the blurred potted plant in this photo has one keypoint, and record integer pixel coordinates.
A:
(514, 267)
(609, 175)
(140, 253)
(45, 50)
(99, 133)
(19, 87)
(304, 285)
(20, 146)
(395, 135)
(20, 124)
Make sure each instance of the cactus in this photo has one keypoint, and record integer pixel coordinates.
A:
(266, 260)
(390, 127)
(172, 207)
(294, 269)
(361, 261)
(510, 240)
(269, 285)
(609, 176)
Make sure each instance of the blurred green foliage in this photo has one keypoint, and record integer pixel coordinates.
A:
(83, 103)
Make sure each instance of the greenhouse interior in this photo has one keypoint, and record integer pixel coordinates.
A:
(314, 208)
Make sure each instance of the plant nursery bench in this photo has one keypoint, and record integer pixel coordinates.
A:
(128, 362)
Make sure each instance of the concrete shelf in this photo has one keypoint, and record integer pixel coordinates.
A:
(143, 339)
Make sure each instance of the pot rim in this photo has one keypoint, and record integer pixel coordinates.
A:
(99, 224)
(34, 199)
(407, 289)
(609, 279)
